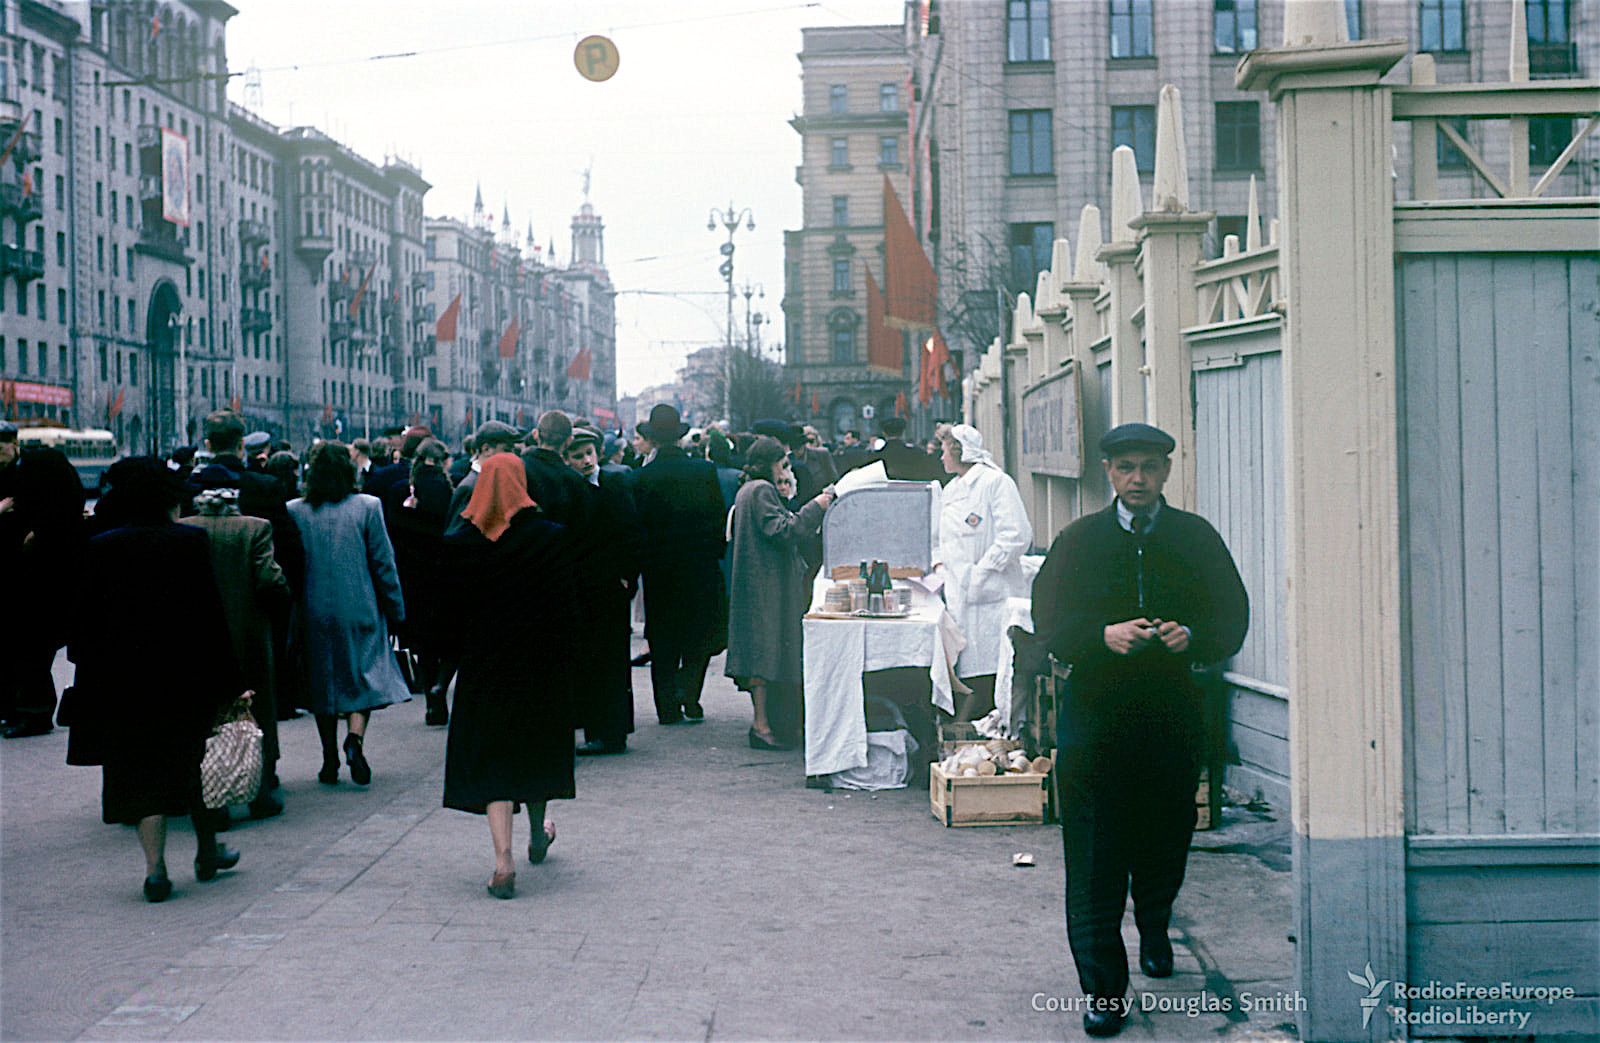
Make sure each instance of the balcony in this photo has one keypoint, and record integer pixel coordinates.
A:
(338, 329)
(362, 259)
(390, 308)
(423, 313)
(149, 136)
(340, 291)
(425, 345)
(254, 320)
(24, 207)
(253, 276)
(163, 239)
(251, 232)
(26, 265)
(422, 280)
(149, 188)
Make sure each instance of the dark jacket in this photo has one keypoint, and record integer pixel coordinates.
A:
(561, 493)
(1093, 577)
(680, 510)
(908, 463)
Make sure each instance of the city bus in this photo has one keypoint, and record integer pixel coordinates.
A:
(90, 451)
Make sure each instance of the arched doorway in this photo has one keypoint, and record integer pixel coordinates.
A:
(162, 330)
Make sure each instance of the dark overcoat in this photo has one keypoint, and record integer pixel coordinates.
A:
(154, 665)
(512, 720)
(253, 590)
(769, 584)
(680, 510)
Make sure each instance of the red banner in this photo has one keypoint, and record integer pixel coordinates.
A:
(911, 290)
(445, 328)
(508, 340)
(42, 394)
(883, 343)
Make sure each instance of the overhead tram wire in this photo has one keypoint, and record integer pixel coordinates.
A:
(202, 77)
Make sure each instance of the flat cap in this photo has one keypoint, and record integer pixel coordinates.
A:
(256, 440)
(582, 435)
(496, 432)
(1136, 436)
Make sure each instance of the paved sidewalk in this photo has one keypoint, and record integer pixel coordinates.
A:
(697, 891)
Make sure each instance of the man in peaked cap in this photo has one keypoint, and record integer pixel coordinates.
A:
(685, 600)
(1132, 596)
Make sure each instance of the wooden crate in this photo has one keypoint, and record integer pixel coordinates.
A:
(955, 734)
(988, 799)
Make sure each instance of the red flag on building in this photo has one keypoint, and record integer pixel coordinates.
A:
(233, 403)
(579, 368)
(114, 408)
(355, 302)
(155, 27)
(933, 356)
(16, 137)
(911, 290)
(794, 396)
(883, 343)
(27, 183)
(519, 416)
(814, 407)
(445, 328)
(901, 406)
(468, 418)
(266, 262)
(508, 340)
(940, 355)
(327, 413)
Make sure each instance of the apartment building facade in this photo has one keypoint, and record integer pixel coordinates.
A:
(1019, 105)
(854, 131)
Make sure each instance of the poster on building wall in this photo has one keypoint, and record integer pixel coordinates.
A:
(1052, 437)
(174, 177)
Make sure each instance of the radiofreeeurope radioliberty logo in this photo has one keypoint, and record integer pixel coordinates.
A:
(1374, 996)
(1455, 1003)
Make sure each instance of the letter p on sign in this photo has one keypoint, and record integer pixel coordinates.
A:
(596, 58)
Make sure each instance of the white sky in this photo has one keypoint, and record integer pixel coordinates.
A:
(695, 118)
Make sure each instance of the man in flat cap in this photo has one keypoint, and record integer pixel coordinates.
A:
(1132, 596)
(490, 438)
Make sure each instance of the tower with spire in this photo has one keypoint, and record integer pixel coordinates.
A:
(588, 234)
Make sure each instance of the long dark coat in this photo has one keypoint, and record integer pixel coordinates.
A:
(511, 724)
(154, 665)
(351, 600)
(607, 562)
(254, 590)
(417, 534)
(769, 584)
(680, 509)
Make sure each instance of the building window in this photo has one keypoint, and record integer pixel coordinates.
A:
(839, 152)
(888, 97)
(1135, 127)
(838, 99)
(1234, 25)
(1028, 30)
(61, 307)
(1440, 25)
(1547, 136)
(1238, 135)
(1551, 51)
(888, 151)
(1030, 142)
(1226, 226)
(842, 336)
(1131, 29)
(841, 211)
(1030, 253)
(1352, 19)
(841, 275)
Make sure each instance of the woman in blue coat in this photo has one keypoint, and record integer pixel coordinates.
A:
(348, 604)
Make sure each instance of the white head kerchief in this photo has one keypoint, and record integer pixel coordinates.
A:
(971, 442)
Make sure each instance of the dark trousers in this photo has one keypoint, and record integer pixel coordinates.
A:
(30, 691)
(677, 673)
(1127, 815)
(609, 715)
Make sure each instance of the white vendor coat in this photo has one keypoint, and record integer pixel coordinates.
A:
(983, 533)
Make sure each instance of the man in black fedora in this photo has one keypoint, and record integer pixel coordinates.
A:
(1132, 596)
(906, 462)
(685, 601)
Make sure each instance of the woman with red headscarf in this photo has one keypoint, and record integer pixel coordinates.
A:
(511, 729)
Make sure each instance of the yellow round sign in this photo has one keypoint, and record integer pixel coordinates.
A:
(596, 58)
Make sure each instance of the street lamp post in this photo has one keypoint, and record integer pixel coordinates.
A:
(730, 220)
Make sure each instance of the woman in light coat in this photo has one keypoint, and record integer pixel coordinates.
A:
(349, 602)
(769, 593)
(983, 533)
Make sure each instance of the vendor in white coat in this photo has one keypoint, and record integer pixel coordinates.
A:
(983, 533)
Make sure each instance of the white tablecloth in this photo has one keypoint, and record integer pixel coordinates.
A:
(838, 651)
(1008, 713)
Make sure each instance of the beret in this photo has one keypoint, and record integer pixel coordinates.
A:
(1136, 436)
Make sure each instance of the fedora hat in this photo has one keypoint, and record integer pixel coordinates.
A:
(665, 426)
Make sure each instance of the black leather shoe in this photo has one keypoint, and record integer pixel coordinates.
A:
(157, 888)
(1155, 957)
(360, 770)
(221, 857)
(694, 711)
(675, 720)
(329, 775)
(30, 727)
(642, 659)
(438, 713)
(265, 806)
(601, 748)
(761, 742)
(1102, 1023)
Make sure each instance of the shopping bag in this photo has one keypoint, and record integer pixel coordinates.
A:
(230, 771)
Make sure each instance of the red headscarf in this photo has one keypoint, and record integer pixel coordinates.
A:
(499, 493)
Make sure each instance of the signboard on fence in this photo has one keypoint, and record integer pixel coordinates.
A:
(1052, 433)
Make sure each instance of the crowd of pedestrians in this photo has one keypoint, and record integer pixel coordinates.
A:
(498, 582)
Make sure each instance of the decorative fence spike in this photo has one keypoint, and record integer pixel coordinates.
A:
(1060, 267)
(1313, 23)
(1172, 165)
(1127, 199)
(1087, 267)
(1519, 42)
